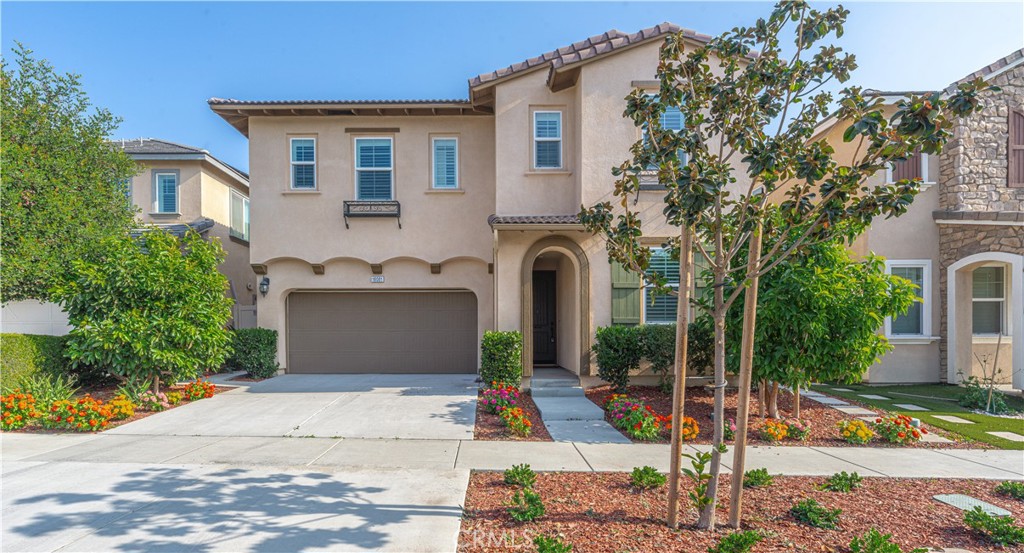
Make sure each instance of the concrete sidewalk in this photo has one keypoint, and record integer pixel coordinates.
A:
(443, 455)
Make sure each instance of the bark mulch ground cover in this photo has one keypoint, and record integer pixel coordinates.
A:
(490, 427)
(107, 392)
(700, 405)
(601, 512)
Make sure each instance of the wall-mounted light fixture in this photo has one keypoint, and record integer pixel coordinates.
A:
(265, 286)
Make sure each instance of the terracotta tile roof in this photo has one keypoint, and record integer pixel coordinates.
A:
(590, 48)
(533, 220)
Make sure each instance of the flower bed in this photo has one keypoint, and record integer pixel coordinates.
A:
(603, 512)
(490, 426)
(819, 423)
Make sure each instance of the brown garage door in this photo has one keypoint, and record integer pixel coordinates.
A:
(382, 332)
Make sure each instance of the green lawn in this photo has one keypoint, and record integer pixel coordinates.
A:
(940, 399)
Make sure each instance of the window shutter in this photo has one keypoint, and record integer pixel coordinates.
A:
(907, 169)
(626, 296)
(1016, 150)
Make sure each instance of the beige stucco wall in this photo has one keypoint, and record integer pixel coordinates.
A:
(189, 191)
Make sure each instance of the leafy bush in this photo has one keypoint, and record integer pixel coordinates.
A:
(999, 530)
(897, 429)
(618, 350)
(700, 478)
(112, 305)
(874, 541)
(810, 512)
(647, 478)
(49, 388)
(700, 347)
(526, 506)
(1011, 488)
(501, 357)
(24, 355)
(499, 397)
(842, 482)
(737, 542)
(975, 396)
(855, 431)
(198, 389)
(658, 343)
(254, 350)
(757, 478)
(520, 475)
(133, 389)
(516, 421)
(550, 544)
(17, 409)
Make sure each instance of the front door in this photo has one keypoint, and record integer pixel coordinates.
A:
(544, 345)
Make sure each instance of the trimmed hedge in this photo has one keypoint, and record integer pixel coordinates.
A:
(620, 349)
(254, 350)
(23, 355)
(501, 357)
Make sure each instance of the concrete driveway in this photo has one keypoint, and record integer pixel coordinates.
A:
(434, 407)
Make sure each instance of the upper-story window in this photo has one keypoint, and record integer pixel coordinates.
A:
(547, 140)
(445, 154)
(303, 162)
(989, 300)
(671, 120)
(166, 192)
(916, 321)
(374, 169)
(1016, 149)
(239, 216)
(914, 167)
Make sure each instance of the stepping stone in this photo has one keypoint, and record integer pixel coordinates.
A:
(909, 407)
(872, 396)
(1012, 436)
(841, 390)
(854, 410)
(932, 438)
(953, 419)
(830, 401)
(967, 503)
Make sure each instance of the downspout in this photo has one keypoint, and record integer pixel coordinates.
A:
(494, 278)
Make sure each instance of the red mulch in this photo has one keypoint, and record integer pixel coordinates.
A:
(600, 512)
(107, 392)
(700, 404)
(490, 427)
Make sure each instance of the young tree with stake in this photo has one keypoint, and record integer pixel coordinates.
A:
(750, 112)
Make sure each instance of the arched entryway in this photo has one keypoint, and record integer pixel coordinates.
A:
(556, 306)
(985, 311)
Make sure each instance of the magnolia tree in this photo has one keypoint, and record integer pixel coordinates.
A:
(748, 146)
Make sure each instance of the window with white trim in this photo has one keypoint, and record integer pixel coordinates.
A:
(914, 167)
(166, 193)
(374, 169)
(445, 154)
(303, 163)
(671, 120)
(547, 140)
(239, 215)
(917, 320)
(988, 300)
(661, 308)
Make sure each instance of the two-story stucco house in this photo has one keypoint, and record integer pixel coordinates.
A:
(391, 234)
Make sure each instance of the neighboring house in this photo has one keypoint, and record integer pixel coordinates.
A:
(391, 234)
(183, 188)
(961, 242)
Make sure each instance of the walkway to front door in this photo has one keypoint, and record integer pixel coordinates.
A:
(567, 413)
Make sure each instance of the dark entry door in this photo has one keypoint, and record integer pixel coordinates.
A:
(544, 345)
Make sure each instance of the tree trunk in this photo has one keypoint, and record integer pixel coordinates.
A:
(156, 385)
(707, 516)
(679, 386)
(745, 376)
(796, 401)
(773, 401)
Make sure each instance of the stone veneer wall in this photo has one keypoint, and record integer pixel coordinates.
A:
(973, 167)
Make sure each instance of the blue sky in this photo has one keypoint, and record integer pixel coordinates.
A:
(155, 64)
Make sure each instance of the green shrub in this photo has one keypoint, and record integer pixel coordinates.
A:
(999, 530)
(658, 343)
(975, 396)
(23, 355)
(874, 541)
(254, 350)
(526, 506)
(520, 475)
(1011, 488)
(501, 357)
(842, 482)
(700, 347)
(551, 544)
(737, 542)
(618, 351)
(48, 388)
(647, 478)
(757, 478)
(810, 512)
